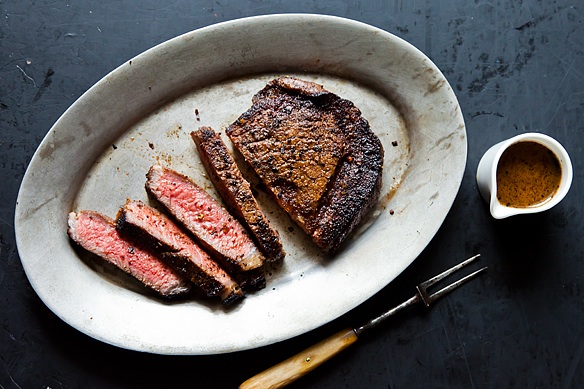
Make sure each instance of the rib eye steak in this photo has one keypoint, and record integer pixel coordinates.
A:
(97, 234)
(236, 191)
(138, 220)
(204, 217)
(214, 228)
(315, 153)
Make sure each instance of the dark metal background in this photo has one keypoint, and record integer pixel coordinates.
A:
(516, 66)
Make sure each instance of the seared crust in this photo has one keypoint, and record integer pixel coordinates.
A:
(236, 192)
(315, 153)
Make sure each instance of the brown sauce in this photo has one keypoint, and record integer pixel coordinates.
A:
(528, 174)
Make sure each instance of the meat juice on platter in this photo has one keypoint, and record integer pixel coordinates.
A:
(313, 151)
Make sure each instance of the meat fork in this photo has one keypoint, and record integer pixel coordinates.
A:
(304, 362)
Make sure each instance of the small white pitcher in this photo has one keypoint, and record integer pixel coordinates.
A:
(487, 175)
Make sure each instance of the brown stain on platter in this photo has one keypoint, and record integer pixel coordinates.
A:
(175, 131)
(432, 88)
(385, 198)
(528, 175)
(166, 158)
(427, 70)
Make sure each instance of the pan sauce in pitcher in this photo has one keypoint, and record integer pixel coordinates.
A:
(528, 174)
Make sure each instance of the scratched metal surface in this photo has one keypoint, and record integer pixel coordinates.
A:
(515, 67)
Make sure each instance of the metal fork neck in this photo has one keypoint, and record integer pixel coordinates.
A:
(424, 296)
(374, 322)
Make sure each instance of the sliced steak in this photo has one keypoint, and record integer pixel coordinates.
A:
(97, 234)
(215, 229)
(141, 221)
(236, 192)
(315, 153)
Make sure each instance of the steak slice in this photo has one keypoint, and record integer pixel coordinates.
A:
(217, 231)
(141, 221)
(97, 234)
(236, 192)
(315, 153)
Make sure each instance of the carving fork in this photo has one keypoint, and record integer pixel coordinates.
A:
(304, 362)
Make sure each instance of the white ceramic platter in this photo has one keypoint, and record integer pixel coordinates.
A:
(97, 153)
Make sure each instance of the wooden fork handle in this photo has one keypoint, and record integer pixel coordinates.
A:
(291, 369)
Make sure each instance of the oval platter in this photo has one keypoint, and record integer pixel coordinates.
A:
(98, 152)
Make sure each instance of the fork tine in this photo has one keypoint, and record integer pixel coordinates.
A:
(426, 284)
(435, 296)
(423, 287)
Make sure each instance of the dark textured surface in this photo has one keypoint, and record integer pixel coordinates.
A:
(515, 67)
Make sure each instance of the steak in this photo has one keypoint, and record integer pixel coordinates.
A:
(215, 229)
(97, 234)
(138, 220)
(315, 153)
(236, 192)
